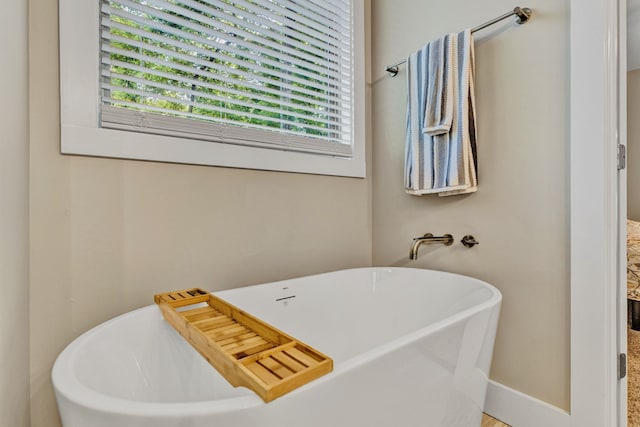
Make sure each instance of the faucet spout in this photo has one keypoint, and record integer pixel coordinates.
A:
(428, 239)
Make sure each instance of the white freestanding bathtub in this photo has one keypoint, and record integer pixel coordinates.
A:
(410, 348)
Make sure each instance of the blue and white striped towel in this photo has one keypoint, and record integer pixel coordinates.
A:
(440, 150)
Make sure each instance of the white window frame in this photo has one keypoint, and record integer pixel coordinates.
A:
(80, 111)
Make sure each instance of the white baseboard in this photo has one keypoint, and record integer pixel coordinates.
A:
(521, 410)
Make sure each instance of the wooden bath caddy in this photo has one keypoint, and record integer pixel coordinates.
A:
(245, 350)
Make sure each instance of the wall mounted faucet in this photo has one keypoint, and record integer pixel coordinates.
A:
(428, 239)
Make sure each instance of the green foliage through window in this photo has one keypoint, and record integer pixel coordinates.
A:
(265, 64)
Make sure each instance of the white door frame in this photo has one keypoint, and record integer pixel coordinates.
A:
(595, 269)
(622, 206)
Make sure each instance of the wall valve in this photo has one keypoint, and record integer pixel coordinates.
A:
(469, 241)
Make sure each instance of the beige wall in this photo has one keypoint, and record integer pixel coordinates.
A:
(633, 145)
(14, 213)
(520, 212)
(108, 234)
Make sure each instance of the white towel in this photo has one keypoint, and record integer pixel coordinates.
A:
(440, 150)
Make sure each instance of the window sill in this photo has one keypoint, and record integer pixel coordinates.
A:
(111, 143)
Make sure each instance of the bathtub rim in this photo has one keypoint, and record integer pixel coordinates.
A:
(80, 394)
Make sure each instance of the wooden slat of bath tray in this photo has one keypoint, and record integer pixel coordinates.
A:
(288, 368)
(244, 349)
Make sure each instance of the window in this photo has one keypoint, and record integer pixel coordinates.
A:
(265, 84)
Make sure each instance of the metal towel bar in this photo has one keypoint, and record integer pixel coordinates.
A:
(522, 15)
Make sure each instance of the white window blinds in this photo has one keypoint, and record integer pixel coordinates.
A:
(267, 73)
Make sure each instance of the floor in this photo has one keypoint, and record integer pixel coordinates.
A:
(487, 421)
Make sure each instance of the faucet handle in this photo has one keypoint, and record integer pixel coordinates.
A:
(469, 241)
